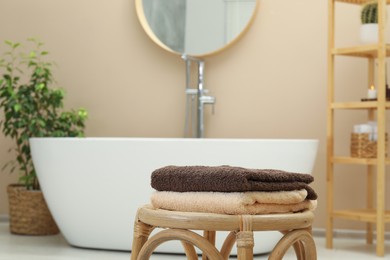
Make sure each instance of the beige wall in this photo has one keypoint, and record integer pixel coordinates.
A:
(272, 84)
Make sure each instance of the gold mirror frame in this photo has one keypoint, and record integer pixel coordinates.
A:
(145, 25)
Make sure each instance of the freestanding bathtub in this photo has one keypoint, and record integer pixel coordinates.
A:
(93, 186)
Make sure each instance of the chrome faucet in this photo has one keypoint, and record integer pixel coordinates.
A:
(202, 99)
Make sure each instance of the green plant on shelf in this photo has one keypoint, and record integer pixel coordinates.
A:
(369, 13)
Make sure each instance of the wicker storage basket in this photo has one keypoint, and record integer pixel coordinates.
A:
(362, 147)
(29, 214)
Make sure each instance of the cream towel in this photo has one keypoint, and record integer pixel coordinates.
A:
(234, 203)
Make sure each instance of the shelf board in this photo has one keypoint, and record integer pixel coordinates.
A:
(367, 51)
(354, 160)
(358, 2)
(357, 105)
(366, 215)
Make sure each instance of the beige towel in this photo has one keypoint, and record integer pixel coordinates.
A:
(234, 203)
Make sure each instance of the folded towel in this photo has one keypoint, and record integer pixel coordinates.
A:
(233, 203)
(229, 179)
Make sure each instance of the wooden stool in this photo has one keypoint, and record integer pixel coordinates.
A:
(296, 228)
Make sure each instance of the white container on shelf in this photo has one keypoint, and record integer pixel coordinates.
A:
(369, 33)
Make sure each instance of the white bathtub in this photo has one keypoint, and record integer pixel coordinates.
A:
(93, 186)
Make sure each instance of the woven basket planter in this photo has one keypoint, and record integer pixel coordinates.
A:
(29, 214)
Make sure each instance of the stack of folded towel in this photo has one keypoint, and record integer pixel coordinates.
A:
(231, 190)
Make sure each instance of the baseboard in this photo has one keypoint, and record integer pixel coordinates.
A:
(4, 218)
(345, 233)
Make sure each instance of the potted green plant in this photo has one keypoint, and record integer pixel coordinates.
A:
(369, 19)
(31, 109)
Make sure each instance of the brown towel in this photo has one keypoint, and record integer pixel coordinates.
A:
(229, 179)
(233, 203)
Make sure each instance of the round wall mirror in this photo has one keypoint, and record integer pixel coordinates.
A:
(195, 28)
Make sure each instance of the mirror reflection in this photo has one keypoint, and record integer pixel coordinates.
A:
(197, 27)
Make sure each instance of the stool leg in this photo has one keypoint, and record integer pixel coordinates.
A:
(245, 241)
(141, 235)
(190, 250)
(299, 250)
(182, 235)
(245, 244)
(210, 236)
(298, 247)
(300, 237)
(228, 244)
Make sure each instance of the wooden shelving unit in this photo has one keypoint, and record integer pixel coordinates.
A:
(368, 51)
(371, 214)
(352, 160)
(357, 105)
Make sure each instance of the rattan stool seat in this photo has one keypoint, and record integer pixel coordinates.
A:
(178, 225)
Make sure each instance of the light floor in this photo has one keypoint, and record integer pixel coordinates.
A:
(15, 247)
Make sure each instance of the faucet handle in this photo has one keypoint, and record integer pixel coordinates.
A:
(191, 91)
(207, 99)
